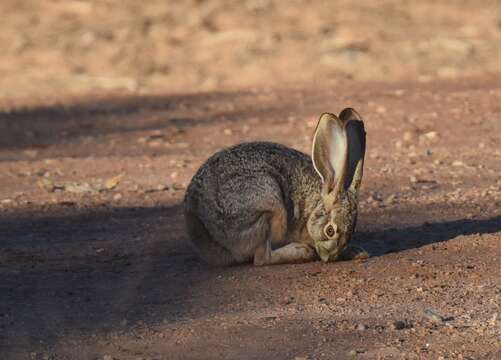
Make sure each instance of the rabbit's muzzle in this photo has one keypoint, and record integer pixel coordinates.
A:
(328, 250)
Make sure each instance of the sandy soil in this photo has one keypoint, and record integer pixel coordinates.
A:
(103, 122)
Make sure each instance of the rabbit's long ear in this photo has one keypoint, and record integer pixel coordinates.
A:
(355, 132)
(329, 154)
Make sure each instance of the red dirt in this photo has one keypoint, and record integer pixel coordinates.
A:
(84, 275)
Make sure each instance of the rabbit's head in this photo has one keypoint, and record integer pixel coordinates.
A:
(338, 157)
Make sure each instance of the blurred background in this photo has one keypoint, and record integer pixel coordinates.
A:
(53, 47)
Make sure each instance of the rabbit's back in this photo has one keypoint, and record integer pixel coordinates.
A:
(237, 188)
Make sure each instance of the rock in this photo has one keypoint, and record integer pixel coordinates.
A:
(117, 197)
(407, 136)
(457, 163)
(78, 187)
(157, 188)
(112, 183)
(361, 327)
(355, 352)
(493, 319)
(432, 135)
(287, 300)
(398, 325)
(108, 357)
(434, 316)
(46, 184)
(374, 197)
(177, 186)
(390, 199)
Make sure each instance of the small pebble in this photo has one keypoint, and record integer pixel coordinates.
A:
(361, 327)
(287, 300)
(493, 319)
(407, 136)
(390, 199)
(433, 316)
(431, 135)
(177, 186)
(398, 325)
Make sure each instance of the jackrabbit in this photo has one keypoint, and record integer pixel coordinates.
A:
(271, 204)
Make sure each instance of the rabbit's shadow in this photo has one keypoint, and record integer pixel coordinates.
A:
(380, 242)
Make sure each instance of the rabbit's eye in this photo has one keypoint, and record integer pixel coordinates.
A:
(330, 231)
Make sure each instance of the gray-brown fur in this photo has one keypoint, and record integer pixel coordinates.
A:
(253, 197)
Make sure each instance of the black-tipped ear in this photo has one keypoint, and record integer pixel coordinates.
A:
(356, 135)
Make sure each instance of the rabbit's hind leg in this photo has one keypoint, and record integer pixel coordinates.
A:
(273, 230)
(209, 250)
(288, 254)
(255, 238)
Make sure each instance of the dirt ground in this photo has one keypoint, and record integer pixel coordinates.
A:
(98, 143)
